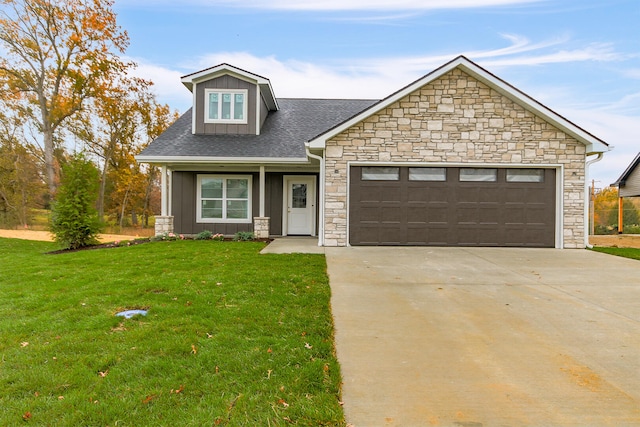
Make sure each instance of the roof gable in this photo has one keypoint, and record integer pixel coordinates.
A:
(593, 144)
(219, 70)
(620, 182)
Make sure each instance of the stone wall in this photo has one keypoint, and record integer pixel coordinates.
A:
(455, 119)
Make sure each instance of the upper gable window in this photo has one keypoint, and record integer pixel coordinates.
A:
(225, 106)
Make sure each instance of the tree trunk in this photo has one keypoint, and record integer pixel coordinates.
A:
(49, 162)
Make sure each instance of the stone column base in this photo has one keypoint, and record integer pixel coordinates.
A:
(261, 227)
(164, 224)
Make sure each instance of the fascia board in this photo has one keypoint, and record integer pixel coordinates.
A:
(225, 160)
(593, 144)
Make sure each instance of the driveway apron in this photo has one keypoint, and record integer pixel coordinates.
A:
(486, 336)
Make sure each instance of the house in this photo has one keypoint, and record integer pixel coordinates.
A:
(456, 158)
(628, 186)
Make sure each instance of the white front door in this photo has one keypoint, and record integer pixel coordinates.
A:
(300, 205)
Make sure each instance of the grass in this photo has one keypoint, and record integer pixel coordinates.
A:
(632, 253)
(231, 338)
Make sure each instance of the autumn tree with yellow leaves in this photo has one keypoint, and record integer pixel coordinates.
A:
(57, 54)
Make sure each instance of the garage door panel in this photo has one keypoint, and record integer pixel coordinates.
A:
(453, 213)
(431, 194)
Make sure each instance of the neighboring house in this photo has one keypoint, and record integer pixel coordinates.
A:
(456, 158)
(628, 186)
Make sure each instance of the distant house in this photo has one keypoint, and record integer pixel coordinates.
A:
(456, 158)
(628, 186)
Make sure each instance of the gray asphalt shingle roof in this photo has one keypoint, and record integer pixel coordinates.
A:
(282, 136)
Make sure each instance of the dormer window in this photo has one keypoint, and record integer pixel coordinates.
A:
(225, 106)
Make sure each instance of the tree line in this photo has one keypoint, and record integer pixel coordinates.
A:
(65, 89)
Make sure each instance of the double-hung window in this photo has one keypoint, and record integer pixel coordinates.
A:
(224, 198)
(225, 106)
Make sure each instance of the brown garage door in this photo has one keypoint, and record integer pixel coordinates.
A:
(452, 206)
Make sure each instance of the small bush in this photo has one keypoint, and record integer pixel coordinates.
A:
(244, 236)
(167, 236)
(204, 235)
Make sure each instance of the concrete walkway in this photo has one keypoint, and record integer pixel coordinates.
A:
(486, 337)
(290, 245)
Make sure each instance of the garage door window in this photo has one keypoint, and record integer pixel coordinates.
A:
(380, 174)
(525, 175)
(427, 174)
(478, 175)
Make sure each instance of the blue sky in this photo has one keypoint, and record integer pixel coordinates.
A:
(581, 58)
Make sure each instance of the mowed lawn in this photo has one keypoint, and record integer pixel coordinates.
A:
(231, 338)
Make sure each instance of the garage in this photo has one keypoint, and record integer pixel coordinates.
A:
(452, 206)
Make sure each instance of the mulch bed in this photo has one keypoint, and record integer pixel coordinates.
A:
(133, 242)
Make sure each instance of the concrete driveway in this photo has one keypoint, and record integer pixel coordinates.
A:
(486, 337)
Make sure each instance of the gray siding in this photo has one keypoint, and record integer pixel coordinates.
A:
(184, 197)
(226, 82)
(631, 187)
(264, 111)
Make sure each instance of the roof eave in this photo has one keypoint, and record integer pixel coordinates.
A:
(620, 182)
(185, 160)
(263, 83)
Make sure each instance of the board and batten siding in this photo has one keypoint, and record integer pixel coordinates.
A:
(631, 187)
(184, 205)
(226, 82)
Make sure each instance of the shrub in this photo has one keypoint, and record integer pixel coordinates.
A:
(74, 217)
(243, 236)
(204, 235)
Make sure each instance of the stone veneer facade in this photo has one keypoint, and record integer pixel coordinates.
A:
(455, 119)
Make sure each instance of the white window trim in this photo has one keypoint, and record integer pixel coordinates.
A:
(199, 217)
(245, 106)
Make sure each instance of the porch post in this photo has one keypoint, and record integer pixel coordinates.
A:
(163, 190)
(261, 223)
(262, 191)
(164, 222)
(620, 215)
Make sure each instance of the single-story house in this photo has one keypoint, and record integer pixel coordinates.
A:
(457, 158)
(628, 186)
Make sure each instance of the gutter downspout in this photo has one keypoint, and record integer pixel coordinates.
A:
(587, 198)
(321, 198)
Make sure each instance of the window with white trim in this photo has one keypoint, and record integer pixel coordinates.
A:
(225, 106)
(224, 198)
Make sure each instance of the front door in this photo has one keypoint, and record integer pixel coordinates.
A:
(300, 205)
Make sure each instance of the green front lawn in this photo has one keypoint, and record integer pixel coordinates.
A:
(623, 252)
(231, 337)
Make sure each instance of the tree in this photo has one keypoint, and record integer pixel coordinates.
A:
(116, 126)
(110, 125)
(606, 205)
(21, 185)
(75, 222)
(59, 53)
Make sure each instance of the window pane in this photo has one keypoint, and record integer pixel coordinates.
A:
(427, 174)
(299, 196)
(212, 209)
(238, 108)
(479, 175)
(237, 189)
(237, 209)
(380, 174)
(525, 175)
(226, 106)
(211, 188)
(213, 106)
